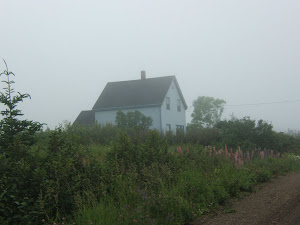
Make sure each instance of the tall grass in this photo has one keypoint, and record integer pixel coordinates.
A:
(179, 186)
(134, 180)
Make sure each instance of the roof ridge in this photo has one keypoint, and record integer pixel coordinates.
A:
(151, 78)
(134, 92)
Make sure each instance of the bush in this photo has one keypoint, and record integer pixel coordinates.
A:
(93, 134)
(200, 135)
(47, 183)
(19, 187)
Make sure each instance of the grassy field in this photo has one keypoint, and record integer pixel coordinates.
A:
(132, 180)
(158, 184)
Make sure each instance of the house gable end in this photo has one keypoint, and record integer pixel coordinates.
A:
(172, 116)
(180, 93)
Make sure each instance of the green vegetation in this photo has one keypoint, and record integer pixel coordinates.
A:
(132, 179)
(14, 131)
(133, 120)
(117, 175)
(207, 111)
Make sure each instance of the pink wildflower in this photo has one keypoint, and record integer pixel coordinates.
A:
(239, 163)
(248, 155)
(240, 153)
(262, 154)
(179, 150)
(236, 157)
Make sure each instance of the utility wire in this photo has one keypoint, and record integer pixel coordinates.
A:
(263, 103)
(250, 104)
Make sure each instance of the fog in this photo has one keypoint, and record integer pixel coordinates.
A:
(245, 52)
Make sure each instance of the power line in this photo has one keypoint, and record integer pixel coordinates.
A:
(262, 103)
(249, 104)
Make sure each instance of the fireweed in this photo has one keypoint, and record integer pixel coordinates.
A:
(182, 185)
(135, 180)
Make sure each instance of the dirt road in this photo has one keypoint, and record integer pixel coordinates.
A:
(277, 202)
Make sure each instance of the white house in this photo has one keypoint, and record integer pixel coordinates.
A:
(160, 98)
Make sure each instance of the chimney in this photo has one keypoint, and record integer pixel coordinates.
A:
(143, 75)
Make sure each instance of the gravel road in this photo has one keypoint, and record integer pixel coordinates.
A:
(276, 202)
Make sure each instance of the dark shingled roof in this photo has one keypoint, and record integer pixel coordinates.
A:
(143, 92)
(86, 118)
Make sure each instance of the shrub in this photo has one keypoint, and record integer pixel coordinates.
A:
(93, 134)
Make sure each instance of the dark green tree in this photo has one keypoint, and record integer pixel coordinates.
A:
(13, 130)
(207, 111)
(133, 120)
(237, 132)
(247, 133)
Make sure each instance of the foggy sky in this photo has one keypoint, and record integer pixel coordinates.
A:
(245, 52)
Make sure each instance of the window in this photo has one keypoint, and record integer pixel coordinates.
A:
(178, 105)
(168, 103)
(179, 128)
(168, 128)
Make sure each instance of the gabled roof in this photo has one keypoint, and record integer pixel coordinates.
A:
(86, 118)
(143, 92)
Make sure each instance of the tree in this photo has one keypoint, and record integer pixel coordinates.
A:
(11, 128)
(133, 120)
(247, 133)
(207, 111)
(237, 132)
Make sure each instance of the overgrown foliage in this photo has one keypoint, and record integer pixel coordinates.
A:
(246, 133)
(93, 134)
(136, 179)
(45, 183)
(175, 187)
(133, 120)
(249, 134)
